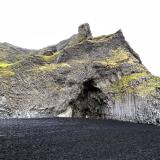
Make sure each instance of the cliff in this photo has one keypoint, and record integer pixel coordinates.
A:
(83, 76)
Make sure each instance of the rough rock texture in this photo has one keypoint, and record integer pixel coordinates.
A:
(83, 76)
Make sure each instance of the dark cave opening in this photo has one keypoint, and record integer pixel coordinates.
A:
(89, 86)
(90, 101)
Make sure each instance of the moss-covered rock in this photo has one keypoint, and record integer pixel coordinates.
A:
(50, 67)
(96, 77)
(52, 57)
(4, 64)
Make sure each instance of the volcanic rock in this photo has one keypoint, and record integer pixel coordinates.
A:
(83, 76)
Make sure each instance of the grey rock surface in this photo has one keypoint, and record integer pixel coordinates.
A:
(83, 76)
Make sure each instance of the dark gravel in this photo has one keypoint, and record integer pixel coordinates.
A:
(74, 139)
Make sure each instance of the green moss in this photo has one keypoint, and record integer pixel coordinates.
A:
(149, 86)
(4, 64)
(51, 58)
(5, 69)
(6, 73)
(83, 61)
(50, 67)
(142, 88)
(124, 83)
(119, 56)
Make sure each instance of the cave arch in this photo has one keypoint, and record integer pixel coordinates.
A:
(90, 101)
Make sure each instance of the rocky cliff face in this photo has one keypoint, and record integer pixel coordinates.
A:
(83, 76)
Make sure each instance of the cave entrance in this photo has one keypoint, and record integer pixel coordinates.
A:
(90, 101)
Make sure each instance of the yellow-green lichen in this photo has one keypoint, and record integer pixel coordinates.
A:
(119, 56)
(5, 69)
(6, 73)
(141, 88)
(83, 61)
(50, 67)
(4, 64)
(149, 86)
(124, 82)
(51, 58)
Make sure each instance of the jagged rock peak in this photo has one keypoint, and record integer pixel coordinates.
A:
(84, 33)
(84, 30)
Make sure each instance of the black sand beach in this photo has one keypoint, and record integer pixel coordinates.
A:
(77, 139)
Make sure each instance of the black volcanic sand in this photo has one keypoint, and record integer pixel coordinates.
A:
(74, 139)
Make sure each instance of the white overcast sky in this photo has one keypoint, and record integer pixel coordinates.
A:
(38, 23)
